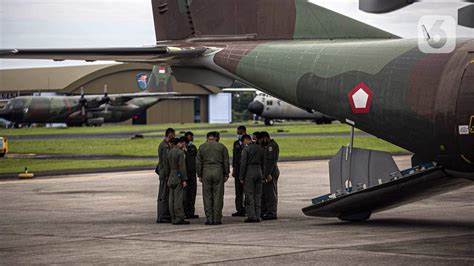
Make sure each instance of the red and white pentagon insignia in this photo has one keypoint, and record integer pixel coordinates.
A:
(360, 98)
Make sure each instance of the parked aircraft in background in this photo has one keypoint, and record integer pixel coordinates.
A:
(271, 109)
(90, 110)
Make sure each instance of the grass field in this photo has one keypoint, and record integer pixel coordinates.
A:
(92, 130)
(35, 165)
(278, 128)
(290, 147)
(292, 127)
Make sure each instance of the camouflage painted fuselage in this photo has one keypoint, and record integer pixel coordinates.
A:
(67, 109)
(419, 100)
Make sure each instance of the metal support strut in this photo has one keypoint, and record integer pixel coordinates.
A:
(348, 183)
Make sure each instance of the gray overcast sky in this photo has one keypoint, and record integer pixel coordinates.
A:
(107, 23)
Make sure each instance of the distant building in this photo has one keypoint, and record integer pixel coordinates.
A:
(120, 78)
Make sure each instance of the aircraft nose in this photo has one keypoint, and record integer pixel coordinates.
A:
(256, 107)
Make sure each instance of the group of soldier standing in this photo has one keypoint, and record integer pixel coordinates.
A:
(254, 169)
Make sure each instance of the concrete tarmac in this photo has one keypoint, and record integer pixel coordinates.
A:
(110, 218)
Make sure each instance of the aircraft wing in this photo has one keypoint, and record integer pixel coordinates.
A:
(122, 98)
(141, 95)
(117, 99)
(239, 90)
(152, 54)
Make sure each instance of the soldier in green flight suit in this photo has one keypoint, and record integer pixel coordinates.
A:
(271, 173)
(212, 165)
(177, 181)
(236, 157)
(163, 214)
(191, 189)
(251, 177)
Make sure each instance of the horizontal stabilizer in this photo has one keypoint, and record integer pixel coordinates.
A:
(359, 205)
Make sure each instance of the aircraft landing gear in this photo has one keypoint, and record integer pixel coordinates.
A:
(269, 122)
(74, 124)
(323, 120)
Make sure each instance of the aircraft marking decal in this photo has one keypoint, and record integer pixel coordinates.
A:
(360, 98)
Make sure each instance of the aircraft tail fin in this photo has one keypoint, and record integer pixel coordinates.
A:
(255, 20)
(160, 80)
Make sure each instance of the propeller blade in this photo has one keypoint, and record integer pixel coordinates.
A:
(106, 99)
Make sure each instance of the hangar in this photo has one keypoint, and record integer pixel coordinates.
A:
(120, 78)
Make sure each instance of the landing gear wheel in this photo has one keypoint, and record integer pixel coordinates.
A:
(355, 217)
(327, 120)
(269, 122)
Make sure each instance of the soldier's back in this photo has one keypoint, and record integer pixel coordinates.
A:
(255, 154)
(173, 158)
(163, 150)
(191, 153)
(212, 153)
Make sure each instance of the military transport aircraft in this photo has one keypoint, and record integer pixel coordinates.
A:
(315, 58)
(91, 110)
(271, 109)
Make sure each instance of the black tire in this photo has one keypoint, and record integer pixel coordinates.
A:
(328, 120)
(269, 122)
(74, 124)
